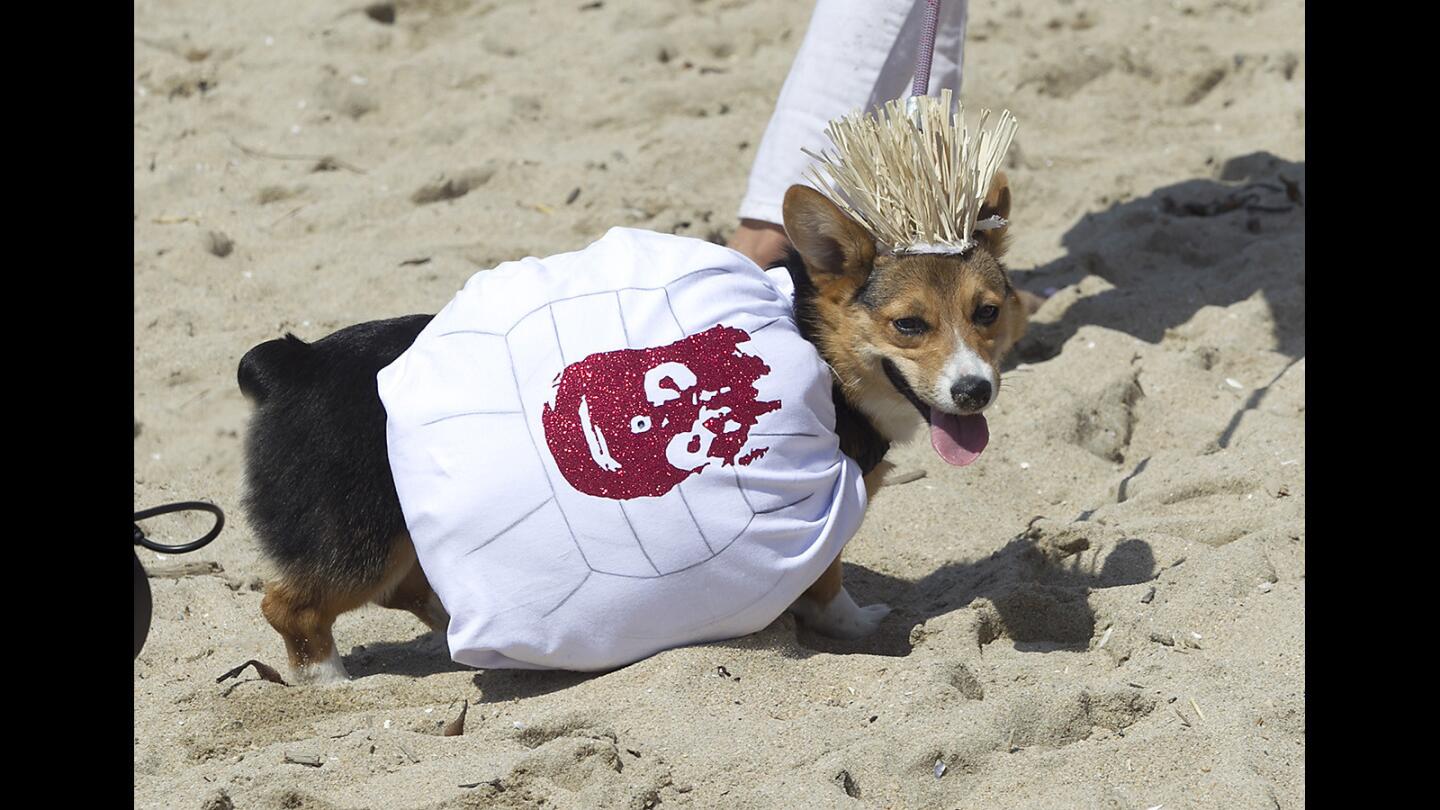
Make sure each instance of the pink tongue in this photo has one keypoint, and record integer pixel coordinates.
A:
(958, 439)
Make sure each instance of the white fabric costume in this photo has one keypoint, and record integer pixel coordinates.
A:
(611, 452)
(857, 54)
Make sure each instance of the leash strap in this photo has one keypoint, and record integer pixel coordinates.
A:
(185, 506)
(927, 49)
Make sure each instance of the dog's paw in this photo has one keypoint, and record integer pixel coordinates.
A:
(331, 670)
(842, 618)
(865, 621)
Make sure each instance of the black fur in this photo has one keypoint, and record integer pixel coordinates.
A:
(858, 437)
(320, 494)
(264, 368)
(892, 373)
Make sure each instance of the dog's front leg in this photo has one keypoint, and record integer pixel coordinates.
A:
(826, 607)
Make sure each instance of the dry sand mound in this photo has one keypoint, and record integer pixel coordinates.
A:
(1105, 611)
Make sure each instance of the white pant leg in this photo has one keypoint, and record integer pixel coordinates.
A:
(856, 54)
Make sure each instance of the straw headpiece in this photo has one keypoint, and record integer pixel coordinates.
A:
(911, 177)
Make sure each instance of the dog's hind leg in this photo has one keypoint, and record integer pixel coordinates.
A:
(304, 611)
(303, 615)
(413, 591)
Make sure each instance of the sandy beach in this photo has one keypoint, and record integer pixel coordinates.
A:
(1105, 611)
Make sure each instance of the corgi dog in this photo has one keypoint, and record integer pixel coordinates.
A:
(914, 341)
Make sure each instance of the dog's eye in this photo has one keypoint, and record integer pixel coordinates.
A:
(987, 314)
(911, 326)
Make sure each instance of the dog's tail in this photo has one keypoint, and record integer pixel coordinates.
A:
(271, 363)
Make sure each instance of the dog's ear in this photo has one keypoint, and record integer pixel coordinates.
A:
(997, 203)
(1019, 305)
(837, 250)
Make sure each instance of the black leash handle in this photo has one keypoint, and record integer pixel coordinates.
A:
(185, 506)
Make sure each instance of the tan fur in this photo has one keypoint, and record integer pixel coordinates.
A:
(875, 479)
(861, 295)
(413, 593)
(827, 587)
(997, 203)
(304, 612)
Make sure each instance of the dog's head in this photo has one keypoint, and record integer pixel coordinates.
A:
(907, 334)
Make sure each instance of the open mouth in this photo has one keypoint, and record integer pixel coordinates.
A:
(957, 438)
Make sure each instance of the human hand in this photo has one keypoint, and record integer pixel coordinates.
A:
(764, 242)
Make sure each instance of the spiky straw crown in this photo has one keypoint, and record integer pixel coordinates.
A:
(915, 180)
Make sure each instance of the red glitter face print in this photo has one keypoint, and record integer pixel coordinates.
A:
(635, 422)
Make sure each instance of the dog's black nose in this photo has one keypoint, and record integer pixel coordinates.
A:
(971, 393)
